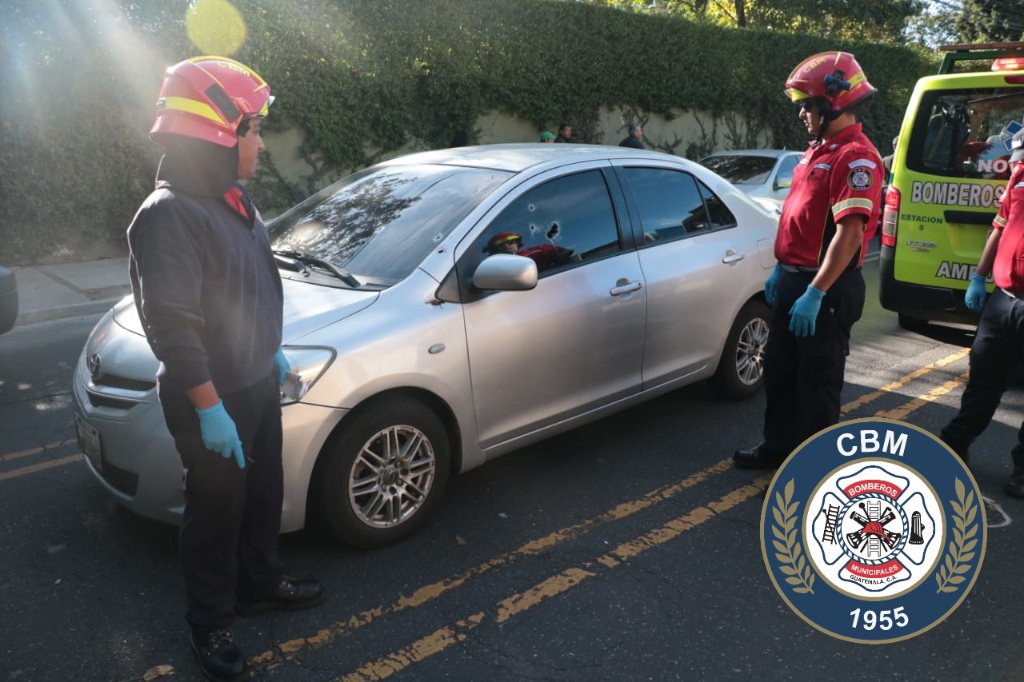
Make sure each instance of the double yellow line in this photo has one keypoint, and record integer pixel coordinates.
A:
(518, 603)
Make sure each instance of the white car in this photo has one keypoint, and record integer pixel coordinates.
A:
(447, 307)
(764, 175)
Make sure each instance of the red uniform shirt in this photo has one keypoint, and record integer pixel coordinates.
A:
(1008, 270)
(834, 179)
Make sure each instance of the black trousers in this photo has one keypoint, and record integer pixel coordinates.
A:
(804, 376)
(998, 346)
(229, 533)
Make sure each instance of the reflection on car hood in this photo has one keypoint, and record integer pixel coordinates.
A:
(307, 307)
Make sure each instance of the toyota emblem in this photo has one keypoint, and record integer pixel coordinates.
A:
(94, 365)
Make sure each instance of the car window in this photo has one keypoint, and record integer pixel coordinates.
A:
(965, 133)
(381, 222)
(669, 203)
(721, 216)
(784, 178)
(562, 222)
(741, 169)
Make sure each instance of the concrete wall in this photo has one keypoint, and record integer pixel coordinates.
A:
(687, 133)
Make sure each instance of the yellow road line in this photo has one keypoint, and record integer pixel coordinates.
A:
(50, 464)
(432, 591)
(902, 381)
(558, 584)
(902, 411)
(36, 450)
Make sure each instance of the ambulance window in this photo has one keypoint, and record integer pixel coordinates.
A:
(966, 133)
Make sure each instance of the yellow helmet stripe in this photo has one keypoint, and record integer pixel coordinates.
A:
(192, 106)
(796, 95)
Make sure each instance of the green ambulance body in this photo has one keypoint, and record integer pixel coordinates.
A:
(949, 171)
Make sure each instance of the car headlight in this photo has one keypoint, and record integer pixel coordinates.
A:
(308, 363)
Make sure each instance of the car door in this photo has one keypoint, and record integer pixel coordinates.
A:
(574, 342)
(689, 256)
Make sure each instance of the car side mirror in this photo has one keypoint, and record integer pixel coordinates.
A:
(782, 183)
(506, 272)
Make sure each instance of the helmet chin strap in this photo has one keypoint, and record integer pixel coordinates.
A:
(827, 116)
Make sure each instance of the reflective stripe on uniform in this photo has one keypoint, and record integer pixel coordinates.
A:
(855, 202)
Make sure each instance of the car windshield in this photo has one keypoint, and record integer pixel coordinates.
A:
(380, 223)
(741, 169)
(966, 133)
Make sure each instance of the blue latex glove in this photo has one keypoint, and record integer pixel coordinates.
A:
(282, 365)
(805, 311)
(975, 296)
(219, 433)
(772, 284)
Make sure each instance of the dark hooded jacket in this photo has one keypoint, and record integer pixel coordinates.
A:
(204, 279)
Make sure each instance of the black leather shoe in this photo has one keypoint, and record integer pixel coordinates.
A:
(1015, 485)
(219, 656)
(757, 458)
(291, 594)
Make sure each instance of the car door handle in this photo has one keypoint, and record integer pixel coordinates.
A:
(624, 286)
(731, 257)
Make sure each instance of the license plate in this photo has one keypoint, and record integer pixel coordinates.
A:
(89, 442)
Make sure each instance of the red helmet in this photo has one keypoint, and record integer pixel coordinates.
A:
(206, 98)
(497, 243)
(835, 77)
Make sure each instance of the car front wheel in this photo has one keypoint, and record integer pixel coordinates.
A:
(740, 372)
(384, 473)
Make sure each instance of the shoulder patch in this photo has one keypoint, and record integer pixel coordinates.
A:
(860, 178)
(866, 163)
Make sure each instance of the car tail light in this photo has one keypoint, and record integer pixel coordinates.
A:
(1013, 63)
(890, 218)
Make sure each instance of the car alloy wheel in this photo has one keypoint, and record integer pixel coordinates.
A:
(392, 476)
(740, 372)
(383, 472)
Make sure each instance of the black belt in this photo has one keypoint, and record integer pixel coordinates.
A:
(798, 268)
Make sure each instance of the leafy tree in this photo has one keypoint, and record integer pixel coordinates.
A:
(875, 20)
(990, 20)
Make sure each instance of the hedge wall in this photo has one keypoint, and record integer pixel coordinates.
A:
(364, 77)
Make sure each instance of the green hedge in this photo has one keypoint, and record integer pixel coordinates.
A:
(362, 78)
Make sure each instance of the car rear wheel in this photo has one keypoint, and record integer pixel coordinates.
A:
(740, 372)
(385, 472)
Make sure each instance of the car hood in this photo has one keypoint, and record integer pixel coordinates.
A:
(307, 307)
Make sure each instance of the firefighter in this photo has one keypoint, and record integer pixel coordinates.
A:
(209, 296)
(999, 342)
(816, 290)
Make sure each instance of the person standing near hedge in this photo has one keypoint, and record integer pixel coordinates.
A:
(635, 137)
(209, 296)
(816, 290)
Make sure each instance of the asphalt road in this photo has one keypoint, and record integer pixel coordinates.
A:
(624, 550)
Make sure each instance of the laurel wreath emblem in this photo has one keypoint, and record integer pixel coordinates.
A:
(788, 550)
(961, 548)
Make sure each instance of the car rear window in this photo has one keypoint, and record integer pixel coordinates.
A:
(966, 133)
(741, 170)
(380, 223)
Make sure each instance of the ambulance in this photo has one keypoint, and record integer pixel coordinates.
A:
(949, 171)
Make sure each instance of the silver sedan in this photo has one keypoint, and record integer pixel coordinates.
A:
(447, 307)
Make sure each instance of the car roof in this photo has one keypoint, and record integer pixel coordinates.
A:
(772, 153)
(519, 157)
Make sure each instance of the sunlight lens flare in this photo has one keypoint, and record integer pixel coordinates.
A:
(215, 27)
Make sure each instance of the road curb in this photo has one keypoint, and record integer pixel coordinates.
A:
(75, 310)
